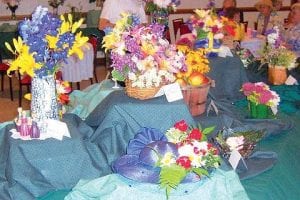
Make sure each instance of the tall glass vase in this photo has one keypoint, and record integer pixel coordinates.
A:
(43, 101)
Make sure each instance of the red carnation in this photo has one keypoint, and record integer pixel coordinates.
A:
(195, 134)
(184, 161)
(181, 125)
(209, 145)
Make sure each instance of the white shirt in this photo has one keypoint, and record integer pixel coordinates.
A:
(113, 8)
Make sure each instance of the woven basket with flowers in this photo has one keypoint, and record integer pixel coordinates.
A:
(142, 57)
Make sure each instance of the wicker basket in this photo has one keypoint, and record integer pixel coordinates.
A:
(140, 93)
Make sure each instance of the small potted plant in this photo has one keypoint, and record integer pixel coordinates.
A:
(260, 99)
(279, 58)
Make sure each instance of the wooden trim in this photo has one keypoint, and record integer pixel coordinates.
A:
(243, 9)
(22, 17)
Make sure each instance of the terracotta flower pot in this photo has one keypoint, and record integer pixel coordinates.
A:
(195, 98)
(277, 75)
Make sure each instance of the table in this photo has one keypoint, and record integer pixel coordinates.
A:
(76, 70)
(33, 168)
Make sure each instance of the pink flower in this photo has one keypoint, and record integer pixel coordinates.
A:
(184, 161)
(181, 125)
(265, 97)
(195, 134)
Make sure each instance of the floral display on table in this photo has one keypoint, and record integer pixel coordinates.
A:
(207, 27)
(12, 5)
(159, 10)
(55, 4)
(260, 99)
(242, 141)
(194, 83)
(195, 155)
(140, 55)
(45, 41)
(180, 155)
(278, 57)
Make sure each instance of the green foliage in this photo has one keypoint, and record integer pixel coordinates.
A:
(171, 176)
(201, 34)
(120, 76)
(200, 172)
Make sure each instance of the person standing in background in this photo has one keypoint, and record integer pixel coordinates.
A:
(267, 18)
(292, 34)
(277, 4)
(112, 10)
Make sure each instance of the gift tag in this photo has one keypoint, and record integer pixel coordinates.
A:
(234, 158)
(291, 81)
(173, 92)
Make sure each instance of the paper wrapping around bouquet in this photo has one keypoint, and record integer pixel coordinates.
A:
(277, 75)
(43, 100)
(195, 98)
(258, 111)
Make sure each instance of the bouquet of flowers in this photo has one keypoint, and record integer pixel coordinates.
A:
(275, 54)
(45, 41)
(207, 27)
(197, 65)
(260, 93)
(195, 155)
(242, 141)
(141, 55)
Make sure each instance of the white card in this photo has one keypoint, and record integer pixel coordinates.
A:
(234, 158)
(57, 129)
(291, 81)
(173, 92)
(274, 109)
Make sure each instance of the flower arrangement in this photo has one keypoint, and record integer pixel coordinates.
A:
(260, 93)
(197, 65)
(63, 89)
(207, 27)
(275, 54)
(195, 155)
(45, 41)
(158, 5)
(141, 54)
(242, 141)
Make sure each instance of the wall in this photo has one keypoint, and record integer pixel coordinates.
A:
(27, 6)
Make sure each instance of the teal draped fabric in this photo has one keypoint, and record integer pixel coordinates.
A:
(222, 185)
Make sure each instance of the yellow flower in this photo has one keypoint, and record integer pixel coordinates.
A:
(52, 40)
(167, 160)
(78, 43)
(110, 40)
(24, 62)
(148, 48)
(202, 13)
